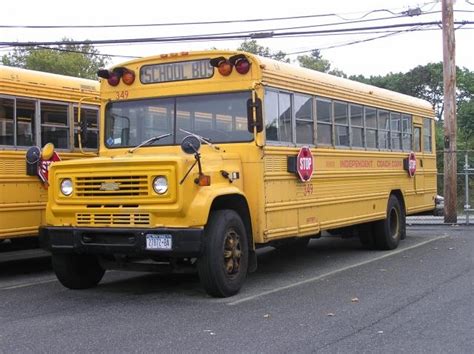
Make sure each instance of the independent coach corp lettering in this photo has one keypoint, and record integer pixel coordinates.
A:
(185, 70)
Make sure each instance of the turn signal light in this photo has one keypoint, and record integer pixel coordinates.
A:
(222, 65)
(224, 68)
(203, 180)
(128, 77)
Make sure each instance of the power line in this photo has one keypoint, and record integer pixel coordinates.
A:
(345, 44)
(387, 34)
(202, 22)
(224, 37)
(86, 53)
(260, 33)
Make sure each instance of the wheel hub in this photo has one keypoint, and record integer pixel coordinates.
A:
(232, 252)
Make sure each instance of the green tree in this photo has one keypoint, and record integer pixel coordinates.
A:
(65, 59)
(465, 118)
(252, 46)
(315, 61)
(425, 82)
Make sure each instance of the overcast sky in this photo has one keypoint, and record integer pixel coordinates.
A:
(394, 53)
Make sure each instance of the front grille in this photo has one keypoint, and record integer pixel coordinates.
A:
(113, 219)
(114, 186)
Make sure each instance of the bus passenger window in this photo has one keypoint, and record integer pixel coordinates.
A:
(6, 121)
(383, 130)
(395, 131)
(271, 115)
(407, 132)
(357, 126)
(284, 117)
(278, 117)
(25, 123)
(54, 125)
(417, 139)
(427, 144)
(370, 128)
(304, 119)
(324, 118)
(341, 122)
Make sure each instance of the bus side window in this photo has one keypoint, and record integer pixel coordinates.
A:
(325, 120)
(278, 116)
(6, 121)
(417, 139)
(341, 123)
(407, 132)
(55, 125)
(25, 123)
(427, 143)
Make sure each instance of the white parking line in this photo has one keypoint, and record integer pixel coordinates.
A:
(24, 285)
(319, 277)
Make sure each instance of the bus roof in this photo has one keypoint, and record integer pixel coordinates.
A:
(33, 79)
(275, 72)
(331, 82)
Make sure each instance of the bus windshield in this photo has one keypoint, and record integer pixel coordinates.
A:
(221, 118)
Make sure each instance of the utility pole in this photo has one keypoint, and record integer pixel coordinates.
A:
(449, 78)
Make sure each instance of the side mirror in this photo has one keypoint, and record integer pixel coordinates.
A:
(190, 145)
(32, 158)
(258, 123)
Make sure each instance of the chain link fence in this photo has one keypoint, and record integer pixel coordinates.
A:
(464, 189)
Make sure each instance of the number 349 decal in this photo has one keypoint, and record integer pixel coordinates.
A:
(121, 95)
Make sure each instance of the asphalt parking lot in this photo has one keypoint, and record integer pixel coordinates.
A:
(334, 296)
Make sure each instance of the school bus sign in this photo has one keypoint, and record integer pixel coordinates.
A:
(304, 164)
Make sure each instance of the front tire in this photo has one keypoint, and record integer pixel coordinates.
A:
(390, 230)
(77, 271)
(223, 266)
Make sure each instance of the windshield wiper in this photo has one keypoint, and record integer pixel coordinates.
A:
(149, 141)
(202, 139)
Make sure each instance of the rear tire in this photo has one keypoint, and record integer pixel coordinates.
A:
(223, 266)
(388, 232)
(77, 271)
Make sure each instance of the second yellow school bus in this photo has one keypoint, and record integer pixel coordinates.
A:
(206, 156)
(37, 108)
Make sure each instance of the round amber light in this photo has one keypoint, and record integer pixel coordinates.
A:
(225, 68)
(128, 77)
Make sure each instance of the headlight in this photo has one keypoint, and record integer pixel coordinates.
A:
(66, 187)
(160, 185)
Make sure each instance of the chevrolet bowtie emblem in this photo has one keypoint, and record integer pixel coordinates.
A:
(109, 186)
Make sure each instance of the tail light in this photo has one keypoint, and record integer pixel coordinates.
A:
(113, 79)
(241, 63)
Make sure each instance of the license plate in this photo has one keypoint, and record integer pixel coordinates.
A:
(158, 242)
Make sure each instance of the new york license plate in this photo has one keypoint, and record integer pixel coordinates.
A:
(159, 242)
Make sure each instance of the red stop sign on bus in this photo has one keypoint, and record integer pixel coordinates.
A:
(304, 164)
(411, 164)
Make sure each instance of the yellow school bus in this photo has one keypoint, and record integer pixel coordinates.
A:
(37, 108)
(206, 156)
